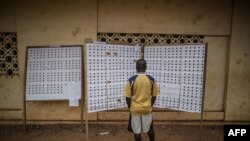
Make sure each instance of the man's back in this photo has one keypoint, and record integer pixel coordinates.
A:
(141, 93)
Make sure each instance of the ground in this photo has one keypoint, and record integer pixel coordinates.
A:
(107, 132)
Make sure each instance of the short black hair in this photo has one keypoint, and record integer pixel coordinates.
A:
(141, 65)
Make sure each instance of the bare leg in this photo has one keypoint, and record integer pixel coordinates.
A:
(151, 134)
(137, 137)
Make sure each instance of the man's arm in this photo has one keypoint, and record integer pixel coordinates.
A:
(128, 100)
(153, 100)
(127, 93)
(155, 93)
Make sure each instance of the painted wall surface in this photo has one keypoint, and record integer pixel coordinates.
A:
(211, 17)
(54, 23)
(238, 92)
(177, 17)
(7, 16)
(40, 24)
(215, 73)
(57, 22)
(10, 95)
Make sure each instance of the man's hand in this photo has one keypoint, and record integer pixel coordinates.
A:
(153, 100)
(128, 100)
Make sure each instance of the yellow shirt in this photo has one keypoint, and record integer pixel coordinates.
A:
(141, 97)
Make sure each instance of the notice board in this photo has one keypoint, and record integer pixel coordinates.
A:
(53, 73)
(178, 69)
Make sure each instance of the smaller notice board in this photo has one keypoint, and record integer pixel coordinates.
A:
(54, 73)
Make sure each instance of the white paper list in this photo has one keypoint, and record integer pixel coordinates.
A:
(108, 67)
(179, 71)
(51, 73)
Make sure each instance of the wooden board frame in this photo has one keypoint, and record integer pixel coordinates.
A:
(25, 75)
(86, 91)
(204, 81)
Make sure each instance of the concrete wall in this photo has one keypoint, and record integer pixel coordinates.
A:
(8, 16)
(209, 17)
(238, 90)
(57, 22)
(177, 17)
(10, 94)
(40, 23)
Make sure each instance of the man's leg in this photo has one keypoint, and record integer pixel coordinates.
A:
(147, 124)
(137, 137)
(151, 134)
(136, 126)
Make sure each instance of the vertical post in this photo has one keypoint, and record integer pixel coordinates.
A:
(24, 114)
(82, 86)
(85, 96)
(203, 92)
(228, 61)
(142, 51)
(86, 126)
(24, 91)
(182, 52)
(201, 120)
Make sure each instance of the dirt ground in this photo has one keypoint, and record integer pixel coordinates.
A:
(100, 132)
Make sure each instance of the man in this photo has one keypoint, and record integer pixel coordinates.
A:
(141, 91)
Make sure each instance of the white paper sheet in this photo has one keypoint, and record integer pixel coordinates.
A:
(49, 69)
(181, 65)
(108, 67)
(73, 101)
(170, 90)
(73, 90)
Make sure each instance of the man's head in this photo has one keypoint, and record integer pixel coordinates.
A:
(141, 65)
